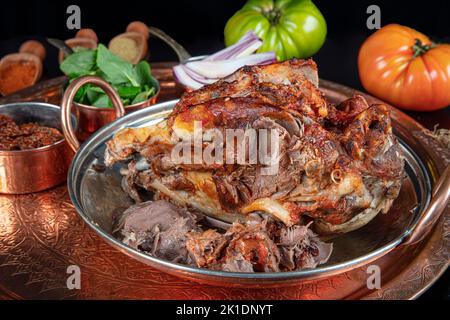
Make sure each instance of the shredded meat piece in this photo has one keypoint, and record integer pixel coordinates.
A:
(206, 247)
(163, 230)
(258, 246)
(301, 249)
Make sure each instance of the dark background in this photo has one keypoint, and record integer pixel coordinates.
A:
(198, 25)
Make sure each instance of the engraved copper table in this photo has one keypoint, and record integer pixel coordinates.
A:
(41, 235)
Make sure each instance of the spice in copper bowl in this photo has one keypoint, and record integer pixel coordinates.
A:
(17, 76)
(26, 136)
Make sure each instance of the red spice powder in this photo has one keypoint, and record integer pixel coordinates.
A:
(26, 136)
(17, 76)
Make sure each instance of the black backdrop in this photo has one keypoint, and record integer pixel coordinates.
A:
(198, 25)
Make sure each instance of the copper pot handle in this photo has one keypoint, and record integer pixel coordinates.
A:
(440, 197)
(67, 102)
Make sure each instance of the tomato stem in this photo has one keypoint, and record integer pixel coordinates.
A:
(419, 48)
(273, 15)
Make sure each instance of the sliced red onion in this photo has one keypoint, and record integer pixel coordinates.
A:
(195, 76)
(251, 48)
(268, 62)
(220, 55)
(248, 44)
(244, 48)
(223, 68)
(183, 78)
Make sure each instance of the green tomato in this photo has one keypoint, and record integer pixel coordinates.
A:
(290, 28)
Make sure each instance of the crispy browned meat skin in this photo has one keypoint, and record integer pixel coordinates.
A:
(291, 85)
(364, 140)
(344, 113)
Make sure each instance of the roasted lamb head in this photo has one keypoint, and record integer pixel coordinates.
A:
(336, 165)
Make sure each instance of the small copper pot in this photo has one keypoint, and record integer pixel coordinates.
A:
(90, 118)
(28, 171)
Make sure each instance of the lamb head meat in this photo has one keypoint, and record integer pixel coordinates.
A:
(337, 166)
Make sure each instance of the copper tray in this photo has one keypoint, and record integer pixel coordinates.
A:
(41, 236)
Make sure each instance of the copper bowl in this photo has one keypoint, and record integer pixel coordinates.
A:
(91, 118)
(28, 171)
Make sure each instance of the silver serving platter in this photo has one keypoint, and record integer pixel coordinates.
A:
(98, 197)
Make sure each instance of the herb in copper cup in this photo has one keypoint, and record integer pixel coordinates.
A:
(134, 83)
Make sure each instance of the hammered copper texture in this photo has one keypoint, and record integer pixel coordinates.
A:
(41, 235)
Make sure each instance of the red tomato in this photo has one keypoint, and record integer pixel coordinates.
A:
(403, 67)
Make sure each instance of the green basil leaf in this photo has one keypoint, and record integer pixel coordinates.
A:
(117, 70)
(79, 96)
(141, 97)
(93, 93)
(79, 64)
(97, 89)
(151, 92)
(102, 102)
(128, 92)
(101, 74)
(143, 72)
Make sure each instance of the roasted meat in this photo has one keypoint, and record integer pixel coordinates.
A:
(159, 228)
(256, 245)
(337, 165)
(292, 85)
